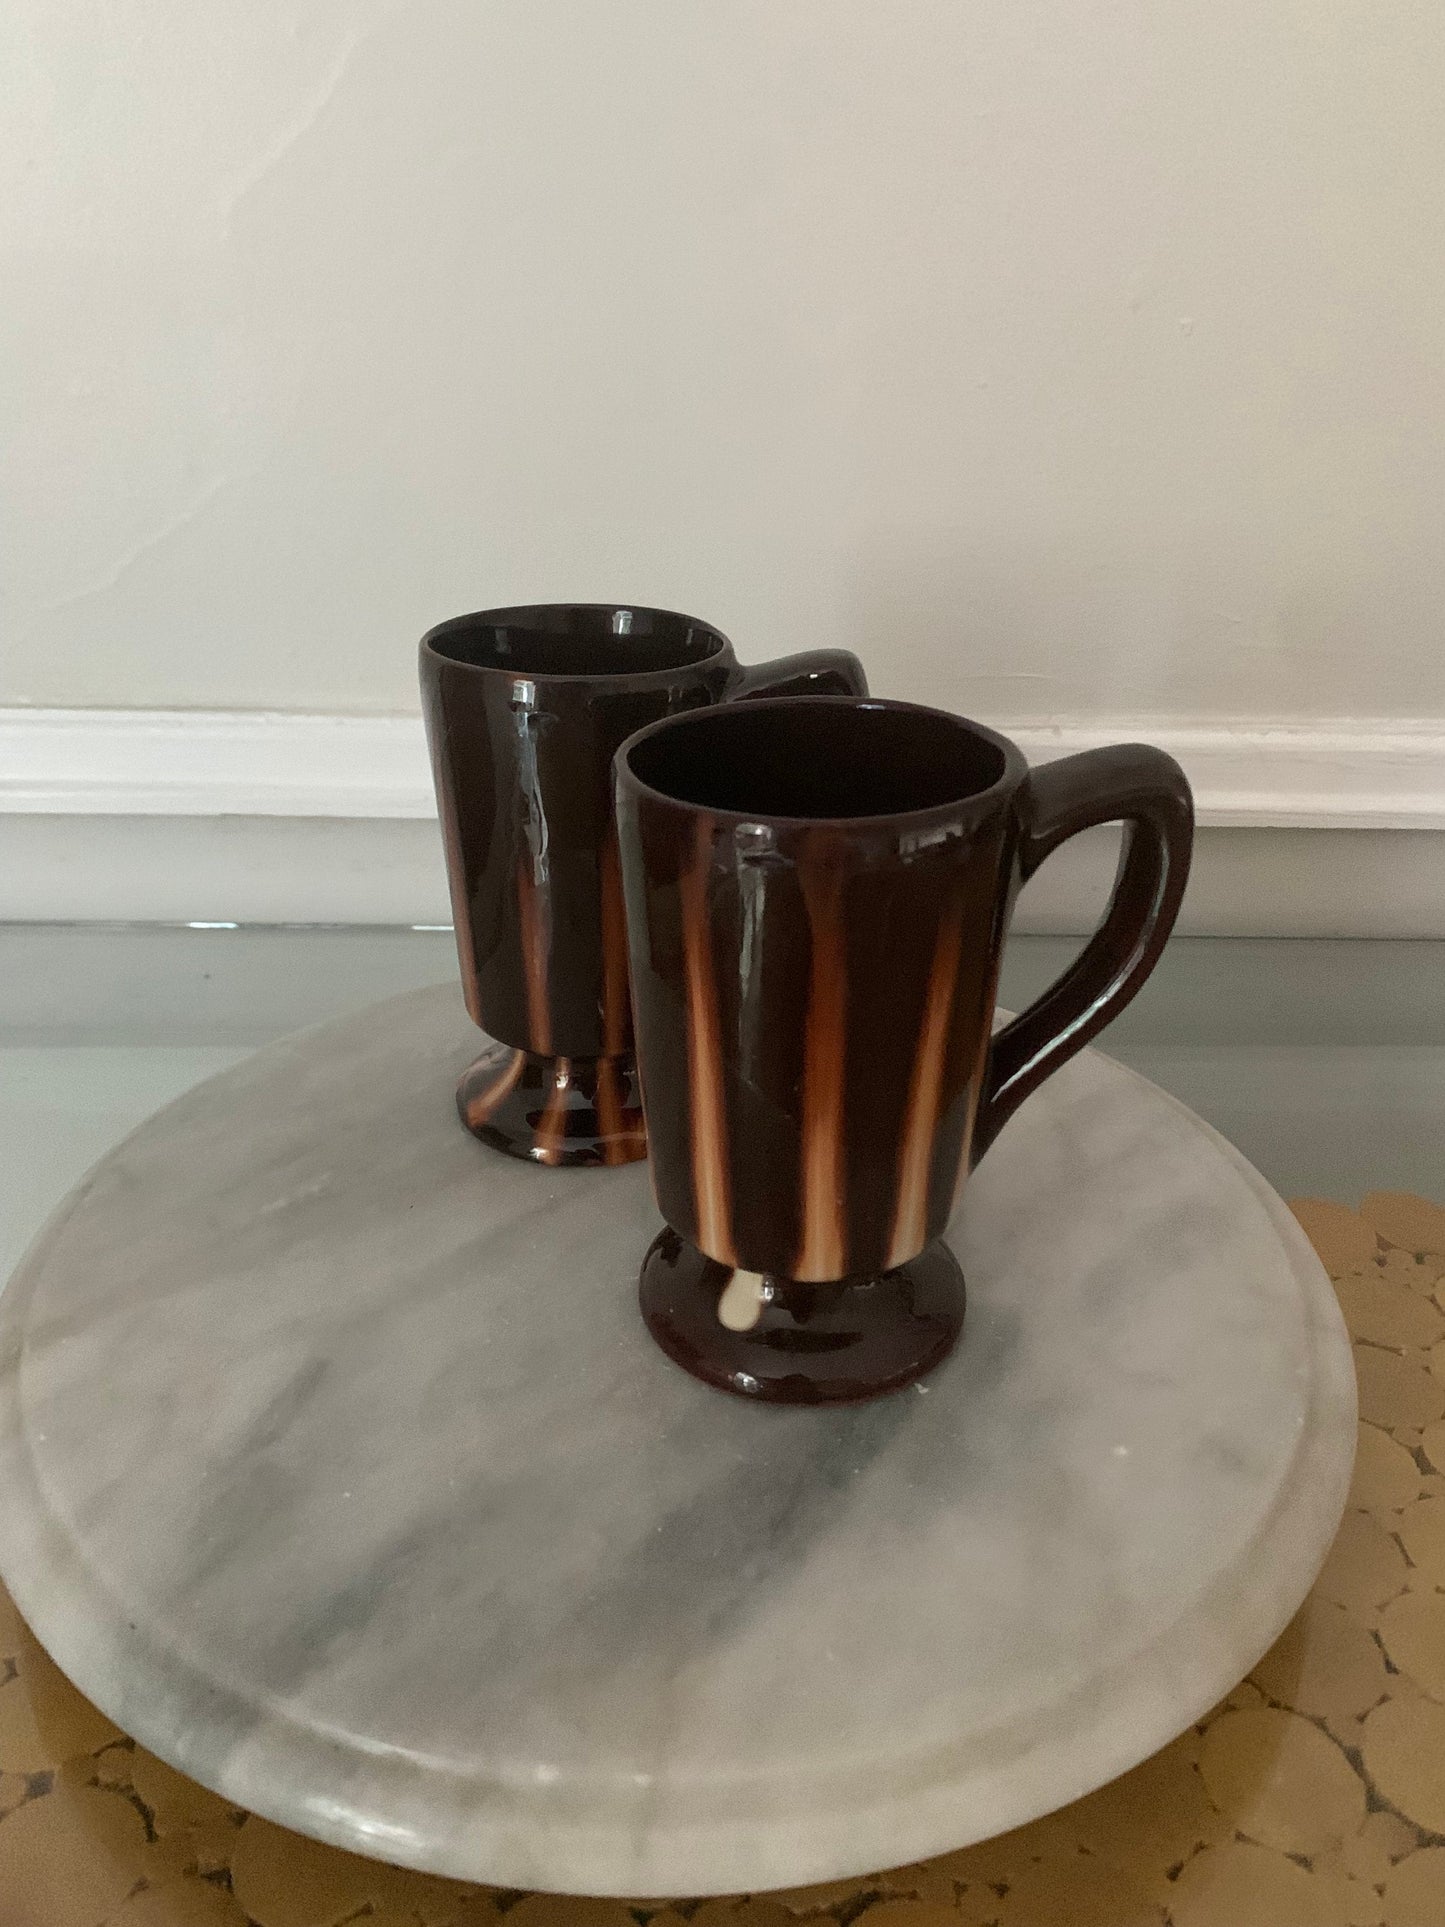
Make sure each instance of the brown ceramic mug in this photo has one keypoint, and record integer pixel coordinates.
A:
(525, 709)
(817, 897)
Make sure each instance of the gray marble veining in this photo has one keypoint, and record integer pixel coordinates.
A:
(336, 1465)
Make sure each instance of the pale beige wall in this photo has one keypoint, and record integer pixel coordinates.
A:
(1061, 356)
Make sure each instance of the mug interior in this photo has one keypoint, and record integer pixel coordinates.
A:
(576, 639)
(818, 757)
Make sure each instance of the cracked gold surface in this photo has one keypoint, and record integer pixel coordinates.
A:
(1311, 1796)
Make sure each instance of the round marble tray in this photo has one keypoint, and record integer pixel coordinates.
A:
(336, 1466)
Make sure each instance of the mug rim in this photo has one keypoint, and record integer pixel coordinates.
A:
(1015, 765)
(498, 617)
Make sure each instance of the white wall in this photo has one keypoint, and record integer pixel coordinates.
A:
(1064, 356)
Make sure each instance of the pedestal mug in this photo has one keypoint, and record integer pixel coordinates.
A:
(525, 708)
(817, 900)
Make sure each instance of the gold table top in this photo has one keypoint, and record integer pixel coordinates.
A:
(1312, 1796)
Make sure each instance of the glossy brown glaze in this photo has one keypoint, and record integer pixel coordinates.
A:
(793, 1344)
(555, 1110)
(525, 709)
(818, 896)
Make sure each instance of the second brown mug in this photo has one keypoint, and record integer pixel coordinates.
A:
(817, 897)
(525, 708)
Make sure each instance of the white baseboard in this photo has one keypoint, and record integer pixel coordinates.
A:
(1365, 774)
(201, 762)
(1321, 829)
(1372, 774)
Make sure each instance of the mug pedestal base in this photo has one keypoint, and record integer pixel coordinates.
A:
(799, 1344)
(554, 1110)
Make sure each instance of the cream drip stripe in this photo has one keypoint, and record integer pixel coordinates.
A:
(823, 1249)
(920, 1120)
(712, 1194)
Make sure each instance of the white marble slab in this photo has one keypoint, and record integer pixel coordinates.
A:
(335, 1464)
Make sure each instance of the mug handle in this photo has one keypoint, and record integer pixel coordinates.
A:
(1146, 791)
(814, 672)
